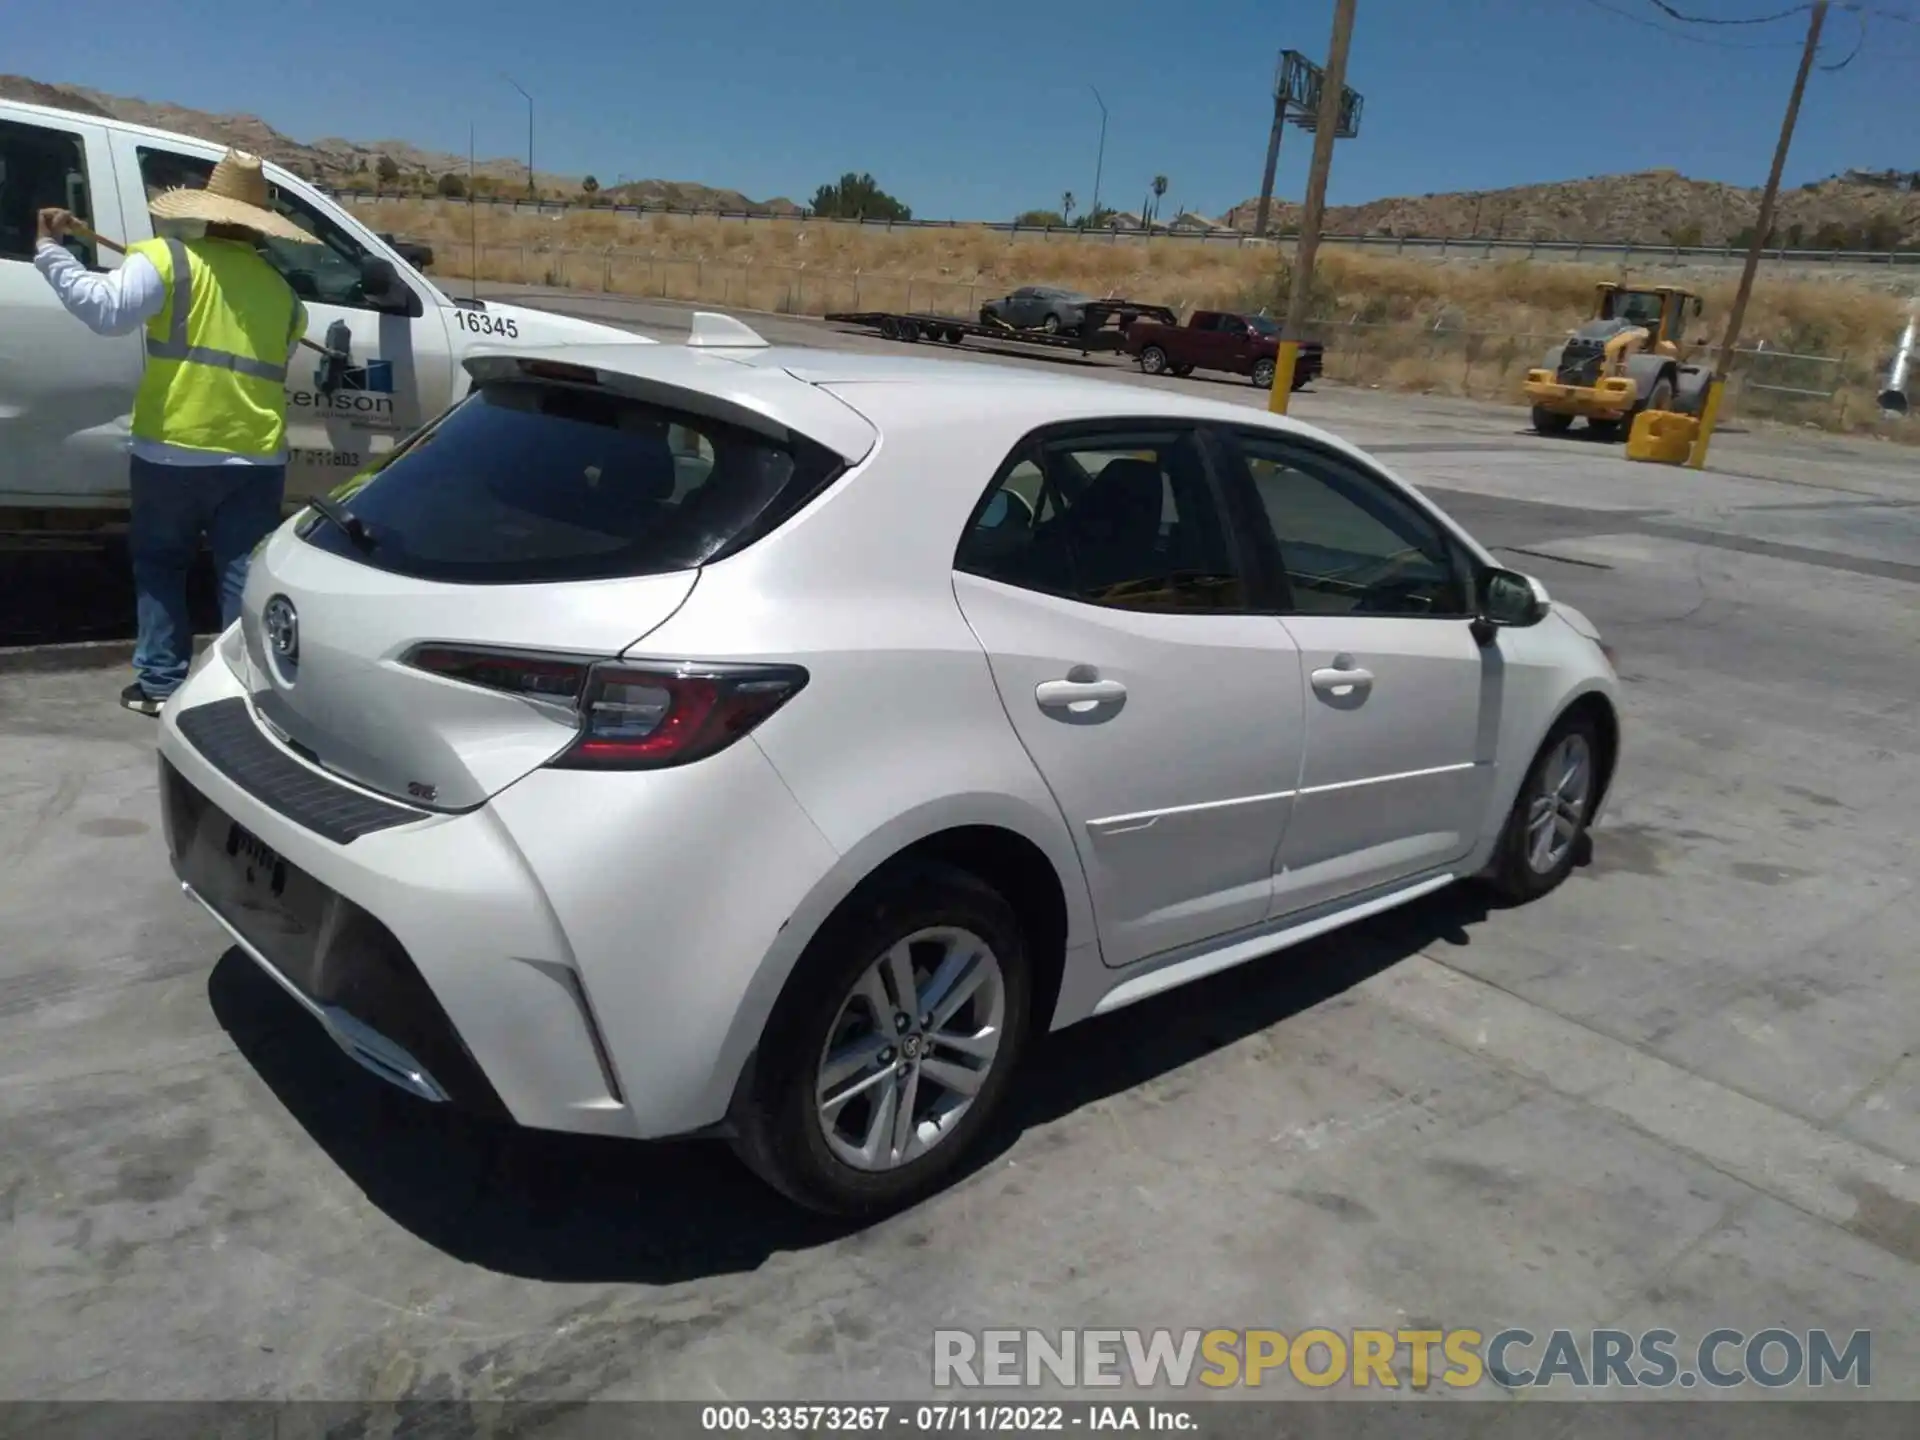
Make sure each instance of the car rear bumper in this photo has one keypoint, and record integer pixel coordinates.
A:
(525, 959)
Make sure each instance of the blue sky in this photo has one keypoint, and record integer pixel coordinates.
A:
(979, 110)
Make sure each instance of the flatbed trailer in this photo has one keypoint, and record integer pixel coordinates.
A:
(1103, 331)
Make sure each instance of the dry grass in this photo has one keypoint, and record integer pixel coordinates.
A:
(1461, 327)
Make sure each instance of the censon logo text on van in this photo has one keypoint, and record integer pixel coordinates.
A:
(365, 393)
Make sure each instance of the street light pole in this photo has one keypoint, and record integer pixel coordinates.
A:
(1100, 156)
(1710, 409)
(532, 190)
(1326, 127)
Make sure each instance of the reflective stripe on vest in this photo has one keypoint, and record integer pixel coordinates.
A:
(175, 346)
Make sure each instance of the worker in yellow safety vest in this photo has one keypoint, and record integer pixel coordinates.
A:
(209, 420)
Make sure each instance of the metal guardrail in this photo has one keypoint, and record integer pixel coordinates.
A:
(1443, 246)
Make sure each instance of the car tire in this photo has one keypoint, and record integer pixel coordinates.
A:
(1522, 868)
(1550, 422)
(1051, 324)
(1153, 360)
(1263, 374)
(785, 1134)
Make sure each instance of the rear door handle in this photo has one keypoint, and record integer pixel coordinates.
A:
(1338, 681)
(1059, 694)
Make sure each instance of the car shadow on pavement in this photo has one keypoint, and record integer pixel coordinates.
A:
(571, 1208)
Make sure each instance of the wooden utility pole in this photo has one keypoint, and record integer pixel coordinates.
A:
(1710, 410)
(1333, 81)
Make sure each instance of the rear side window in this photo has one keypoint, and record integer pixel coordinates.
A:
(527, 482)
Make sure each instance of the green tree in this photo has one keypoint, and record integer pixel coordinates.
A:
(1685, 236)
(452, 186)
(589, 187)
(1882, 232)
(857, 197)
(1159, 190)
(1037, 218)
(1067, 203)
(388, 170)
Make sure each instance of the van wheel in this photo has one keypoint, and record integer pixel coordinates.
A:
(1547, 826)
(891, 1047)
(1153, 360)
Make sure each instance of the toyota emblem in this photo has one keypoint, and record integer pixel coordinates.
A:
(283, 628)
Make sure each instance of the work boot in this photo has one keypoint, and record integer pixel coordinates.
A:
(137, 700)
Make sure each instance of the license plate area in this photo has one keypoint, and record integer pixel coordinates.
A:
(276, 906)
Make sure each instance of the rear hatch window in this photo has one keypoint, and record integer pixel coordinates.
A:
(529, 481)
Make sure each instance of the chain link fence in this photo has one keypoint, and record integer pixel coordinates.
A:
(1826, 390)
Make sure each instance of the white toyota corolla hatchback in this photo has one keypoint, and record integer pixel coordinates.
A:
(771, 743)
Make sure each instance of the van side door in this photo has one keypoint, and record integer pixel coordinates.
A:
(66, 394)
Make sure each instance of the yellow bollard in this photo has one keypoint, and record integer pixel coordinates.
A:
(1709, 412)
(1662, 436)
(1283, 365)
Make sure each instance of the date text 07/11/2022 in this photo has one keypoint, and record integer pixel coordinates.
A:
(960, 1418)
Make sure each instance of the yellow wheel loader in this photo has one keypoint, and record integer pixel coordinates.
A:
(1628, 357)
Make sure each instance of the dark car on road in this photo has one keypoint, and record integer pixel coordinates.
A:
(1219, 340)
(1038, 307)
(415, 253)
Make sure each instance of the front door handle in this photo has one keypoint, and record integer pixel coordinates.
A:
(1343, 681)
(1061, 694)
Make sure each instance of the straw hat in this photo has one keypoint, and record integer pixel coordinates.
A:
(235, 194)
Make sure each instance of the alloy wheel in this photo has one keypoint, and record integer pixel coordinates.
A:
(910, 1048)
(1559, 804)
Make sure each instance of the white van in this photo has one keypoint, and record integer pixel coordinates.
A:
(66, 394)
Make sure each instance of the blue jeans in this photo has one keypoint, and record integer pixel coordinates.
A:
(235, 507)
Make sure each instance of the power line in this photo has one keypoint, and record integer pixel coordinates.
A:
(1657, 27)
(1667, 9)
(1691, 39)
(1858, 40)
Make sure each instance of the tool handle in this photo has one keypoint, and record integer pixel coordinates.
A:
(88, 233)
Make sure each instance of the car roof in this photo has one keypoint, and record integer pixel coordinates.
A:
(111, 122)
(844, 398)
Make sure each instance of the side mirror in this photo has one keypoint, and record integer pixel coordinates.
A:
(381, 284)
(1508, 600)
(333, 366)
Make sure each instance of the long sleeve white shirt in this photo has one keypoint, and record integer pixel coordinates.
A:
(120, 303)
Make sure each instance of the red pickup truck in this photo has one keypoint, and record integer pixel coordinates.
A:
(1218, 340)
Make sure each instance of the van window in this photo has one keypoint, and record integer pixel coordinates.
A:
(525, 482)
(325, 271)
(41, 168)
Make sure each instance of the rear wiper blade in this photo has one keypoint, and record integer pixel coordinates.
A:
(343, 520)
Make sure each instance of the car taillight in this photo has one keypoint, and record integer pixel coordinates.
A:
(635, 717)
(541, 677)
(632, 716)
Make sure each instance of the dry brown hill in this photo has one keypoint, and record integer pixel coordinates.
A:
(345, 163)
(1653, 207)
